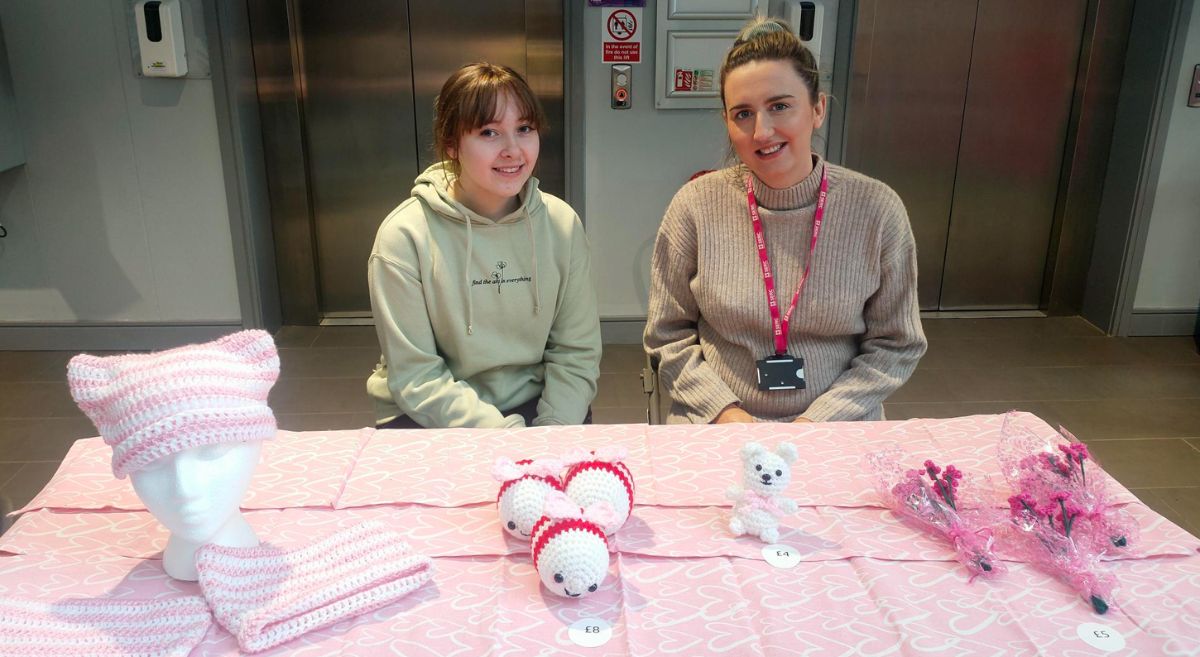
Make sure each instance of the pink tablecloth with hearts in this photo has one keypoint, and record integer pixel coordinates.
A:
(865, 583)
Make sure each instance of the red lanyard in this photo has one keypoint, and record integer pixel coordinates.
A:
(780, 325)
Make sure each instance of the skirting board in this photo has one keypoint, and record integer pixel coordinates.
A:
(622, 331)
(107, 337)
(1162, 323)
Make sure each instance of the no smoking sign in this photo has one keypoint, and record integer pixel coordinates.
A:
(621, 35)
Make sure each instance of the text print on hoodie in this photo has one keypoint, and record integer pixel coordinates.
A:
(476, 315)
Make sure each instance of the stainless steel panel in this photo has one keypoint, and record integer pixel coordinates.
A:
(544, 69)
(1097, 87)
(482, 31)
(283, 154)
(344, 134)
(908, 86)
(1156, 40)
(356, 88)
(523, 34)
(236, 102)
(1018, 106)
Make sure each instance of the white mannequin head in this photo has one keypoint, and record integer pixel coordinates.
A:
(196, 494)
(187, 424)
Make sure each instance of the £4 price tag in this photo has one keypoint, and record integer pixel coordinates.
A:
(781, 556)
(1100, 636)
(590, 632)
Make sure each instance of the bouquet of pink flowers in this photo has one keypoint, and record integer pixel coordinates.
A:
(1044, 538)
(1035, 466)
(1062, 519)
(937, 506)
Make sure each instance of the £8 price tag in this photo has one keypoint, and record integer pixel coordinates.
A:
(590, 632)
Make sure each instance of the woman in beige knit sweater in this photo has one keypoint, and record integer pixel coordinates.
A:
(734, 239)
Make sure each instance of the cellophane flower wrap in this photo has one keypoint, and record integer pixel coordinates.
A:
(1040, 468)
(1061, 518)
(932, 498)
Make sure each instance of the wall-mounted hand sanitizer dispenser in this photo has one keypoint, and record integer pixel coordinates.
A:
(160, 38)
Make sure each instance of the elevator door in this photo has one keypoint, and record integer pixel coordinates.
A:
(357, 105)
(963, 108)
(363, 76)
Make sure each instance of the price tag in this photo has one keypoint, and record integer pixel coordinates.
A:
(1101, 636)
(781, 556)
(590, 632)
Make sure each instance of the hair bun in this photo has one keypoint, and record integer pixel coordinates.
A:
(760, 28)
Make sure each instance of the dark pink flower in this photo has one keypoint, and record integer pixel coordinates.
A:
(1061, 466)
(1080, 452)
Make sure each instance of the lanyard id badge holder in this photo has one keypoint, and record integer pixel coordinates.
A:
(783, 371)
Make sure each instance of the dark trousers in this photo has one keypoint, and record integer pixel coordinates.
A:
(528, 410)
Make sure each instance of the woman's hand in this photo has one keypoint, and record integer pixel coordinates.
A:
(733, 413)
(801, 420)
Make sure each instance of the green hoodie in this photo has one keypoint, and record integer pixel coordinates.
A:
(476, 315)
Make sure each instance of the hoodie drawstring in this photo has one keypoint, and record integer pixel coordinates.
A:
(537, 293)
(467, 277)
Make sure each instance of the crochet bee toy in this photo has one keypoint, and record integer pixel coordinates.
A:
(523, 489)
(570, 550)
(601, 476)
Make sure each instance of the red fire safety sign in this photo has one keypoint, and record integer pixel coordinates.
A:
(621, 35)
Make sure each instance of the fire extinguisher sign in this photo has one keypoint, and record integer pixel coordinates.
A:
(694, 80)
(621, 35)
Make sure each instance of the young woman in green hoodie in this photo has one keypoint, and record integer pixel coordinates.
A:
(480, 282)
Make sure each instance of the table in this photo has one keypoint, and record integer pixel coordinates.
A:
(866, 584)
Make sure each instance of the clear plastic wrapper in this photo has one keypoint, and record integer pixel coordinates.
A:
(932, 499)
(1040, 467)
(1040, 537)
(1061, 518)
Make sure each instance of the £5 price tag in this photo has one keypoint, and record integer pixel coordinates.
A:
(1100, 636)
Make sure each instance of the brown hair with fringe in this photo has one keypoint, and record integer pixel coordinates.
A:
(472, 97)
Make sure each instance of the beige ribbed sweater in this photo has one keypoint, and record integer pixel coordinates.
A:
(856, 326)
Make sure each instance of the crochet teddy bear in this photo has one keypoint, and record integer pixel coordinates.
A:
(601, 476)
(523, 489)
(759, 504)
(569, 548)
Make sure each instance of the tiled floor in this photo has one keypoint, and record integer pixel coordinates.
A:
(1135, 401)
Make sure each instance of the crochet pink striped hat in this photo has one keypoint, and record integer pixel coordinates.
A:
(147, 406)
(103, 627)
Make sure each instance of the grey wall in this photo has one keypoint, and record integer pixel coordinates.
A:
(1170, 272)
(633, 163)
(120, 213)
(12, 150)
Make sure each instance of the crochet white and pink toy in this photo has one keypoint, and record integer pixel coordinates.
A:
(601, 476)
(570, 550)
(523, 489)
(759, 503)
